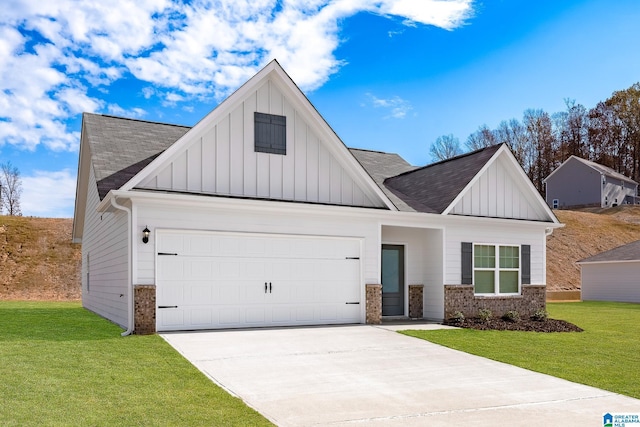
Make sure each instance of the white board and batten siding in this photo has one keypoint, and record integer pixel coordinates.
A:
(105, 260)
(507, 234)
(220, 159)
(219, 280)
(611, 281)
(498, 194)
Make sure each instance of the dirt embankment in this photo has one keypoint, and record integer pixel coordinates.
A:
(38, 260)
(587, 233)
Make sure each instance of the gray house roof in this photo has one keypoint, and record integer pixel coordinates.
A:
(432, 188)
(630, 252)
(121, 147)
(380, 166)
(604, 170)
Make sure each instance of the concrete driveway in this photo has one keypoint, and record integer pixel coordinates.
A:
(371, 375)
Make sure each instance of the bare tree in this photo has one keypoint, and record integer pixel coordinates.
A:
(11, 189)
(445, 147)
(483, 137)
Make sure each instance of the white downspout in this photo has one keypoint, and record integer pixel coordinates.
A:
(130, 322)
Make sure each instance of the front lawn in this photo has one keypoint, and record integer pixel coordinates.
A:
(606, 355)
(61, 365)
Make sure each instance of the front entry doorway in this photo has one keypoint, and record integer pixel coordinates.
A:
(392, 280)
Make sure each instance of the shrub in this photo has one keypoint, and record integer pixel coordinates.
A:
(511, 316)
(540, 315)
(458, 317)
(484, 314)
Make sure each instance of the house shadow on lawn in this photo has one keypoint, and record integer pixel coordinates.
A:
(43, 321)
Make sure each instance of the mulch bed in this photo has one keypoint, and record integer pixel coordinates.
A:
(549, 325)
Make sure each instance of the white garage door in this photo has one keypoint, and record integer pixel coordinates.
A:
(208, 280)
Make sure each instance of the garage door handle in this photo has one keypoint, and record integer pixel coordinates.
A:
(167, 306)
(265, 287)
(352, 302)
(269, 287)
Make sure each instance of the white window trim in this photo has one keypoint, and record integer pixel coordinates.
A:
(496, 269)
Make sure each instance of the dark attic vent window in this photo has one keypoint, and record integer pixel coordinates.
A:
(270, 133)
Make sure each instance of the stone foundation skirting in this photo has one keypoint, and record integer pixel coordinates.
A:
(144, 301)
(461, 298)
(374, 304)
(416, 301)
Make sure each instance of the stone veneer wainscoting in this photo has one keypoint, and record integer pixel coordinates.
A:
(461, 298)
(374, 304)
(416, 301)
(144, 309)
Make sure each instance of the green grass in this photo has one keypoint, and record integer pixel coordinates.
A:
(61, 365)
(606, 355)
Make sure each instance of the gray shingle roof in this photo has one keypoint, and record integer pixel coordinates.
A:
(605, 170)
(630, 252)
(381, 166)
(432, 188)
(121, 147)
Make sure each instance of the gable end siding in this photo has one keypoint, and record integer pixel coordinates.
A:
(498, 193)
(221, 159)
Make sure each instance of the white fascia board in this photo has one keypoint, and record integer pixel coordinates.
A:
(82, 188)
(621, 261)
(385, 217)
(259, 205)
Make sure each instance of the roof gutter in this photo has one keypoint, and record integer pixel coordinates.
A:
(130, 322)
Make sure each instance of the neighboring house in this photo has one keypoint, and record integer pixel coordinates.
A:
(259, 215)
(578, 183)
(612, 275)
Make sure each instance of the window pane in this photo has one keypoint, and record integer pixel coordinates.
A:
(508, 282)
(509, 257)
(484, 282)
(485, 256)
(390, 272)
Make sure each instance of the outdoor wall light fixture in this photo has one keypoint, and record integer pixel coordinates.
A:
(145, 235)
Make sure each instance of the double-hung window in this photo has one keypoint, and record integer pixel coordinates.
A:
(496, 269)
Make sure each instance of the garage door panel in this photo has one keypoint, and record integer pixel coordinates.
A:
(229, 316)
(255, 316)
(201, 317)
(309, 280)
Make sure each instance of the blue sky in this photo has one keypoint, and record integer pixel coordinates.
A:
(389, 75)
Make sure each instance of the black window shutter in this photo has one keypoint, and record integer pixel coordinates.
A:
(467, 263)
(270, 133)
(525, 252)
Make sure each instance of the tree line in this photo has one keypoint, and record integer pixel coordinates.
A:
(608, 133)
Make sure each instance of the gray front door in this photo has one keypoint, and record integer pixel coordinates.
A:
(392, 280)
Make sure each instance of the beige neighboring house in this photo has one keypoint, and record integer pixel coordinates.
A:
(579, 183)
(613, 275)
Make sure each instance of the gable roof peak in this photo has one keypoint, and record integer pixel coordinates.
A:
(446, 180)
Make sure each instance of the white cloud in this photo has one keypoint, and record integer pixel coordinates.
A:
(396, 107)
(134, 113)
(54, 52)
(48, 194)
